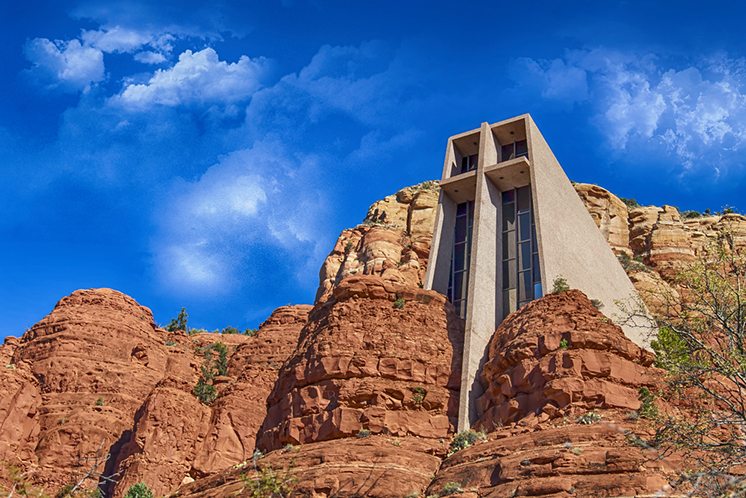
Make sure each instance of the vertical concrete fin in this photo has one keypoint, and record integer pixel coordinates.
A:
(572, 246)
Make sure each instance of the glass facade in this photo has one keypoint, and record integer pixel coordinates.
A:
(460, 259)
(521, 275)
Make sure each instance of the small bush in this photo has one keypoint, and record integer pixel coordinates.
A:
(179, 323)
(170, 343)
(100, 402)
(399, 303)
(632, 265)
(647, 404)
(689, 214)
(418, 395)
(348, 247)
(464, 439)
(597, 304)
(251, 332)
(268, 483)
(560, 285)
(139, 490)
(230, 330)
(363, 433)
(451, 488)
(564, 344)
(589, 418)
(205, 392)
(631, 203)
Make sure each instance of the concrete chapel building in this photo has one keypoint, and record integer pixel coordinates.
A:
(509, 222)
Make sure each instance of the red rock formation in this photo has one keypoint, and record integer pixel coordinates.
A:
(560, 353)
(609, 213)
(97, 374)
(393, 241)
(361, 363)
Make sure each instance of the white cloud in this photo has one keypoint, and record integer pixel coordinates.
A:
(253, 198)
(697, 111)
(150, 57)
(197, 78)
(67, 64)
(116, 39)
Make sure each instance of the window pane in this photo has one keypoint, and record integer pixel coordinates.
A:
(458, 285)
(524, 198)
(510, 236)
(525, 256)
(537, 290)
(460, 229)
(507, 152)
(508, 217)
(459, 253)
(461, 209)
(524, 226)
(521, 148)
(525, 290)
(537, 269)
(512, 273)
(508, 196)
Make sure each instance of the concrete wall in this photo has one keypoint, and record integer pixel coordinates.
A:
(570, 243)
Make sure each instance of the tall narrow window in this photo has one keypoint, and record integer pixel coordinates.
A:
(469, 163)
(459, 276)
(521, 275)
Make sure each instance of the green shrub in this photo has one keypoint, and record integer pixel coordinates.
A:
(139, 490)
(464, 439)
(689, 214)
(560, 285)
(179, 323)
(418, 395)
(451, 488)
(251, 332)
(268, 484)
(671, 350)
(564, 344)
(589, 418)
(170, 343)
(362, 433)
(205, 391)
(230, 330)
(632, 265)
(647, 404)
(399, 303)
(631, 203)
(100, 402)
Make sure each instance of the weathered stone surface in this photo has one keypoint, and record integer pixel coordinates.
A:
(393, 242)
(360, 363)
(609, 213)
(558, 355)
(97, 375)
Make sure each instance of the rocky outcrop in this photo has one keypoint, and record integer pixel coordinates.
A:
(97, 377)
(610, 214)
(560, 353)
(393, 242)
(375, 357)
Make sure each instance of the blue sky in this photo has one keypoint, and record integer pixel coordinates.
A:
(207, 155)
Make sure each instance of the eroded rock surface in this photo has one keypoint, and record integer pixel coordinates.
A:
(98, 376)
(376, 357)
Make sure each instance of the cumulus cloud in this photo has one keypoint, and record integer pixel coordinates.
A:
(65, 64)
(197, 78)
(696, 110)
(253, 200)
(150, 57)
(116, 39)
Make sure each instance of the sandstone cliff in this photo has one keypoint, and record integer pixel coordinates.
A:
(97, 376)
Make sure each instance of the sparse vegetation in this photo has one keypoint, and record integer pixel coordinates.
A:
(589, 418)
(348, 247)
(100, 402)
(399, 303)
(230, 330)
(560, 285)
(362, 433)
(139, 490)
(451, 488)
(564, 344)
(251, 332)
(647, 404)
(597, 304)
(269, 483)
(632, 264)
(180, 322)
(418, 395)
(170, 343)
(464, 439)
(631, 203)
(690, 213)
(215, 364)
